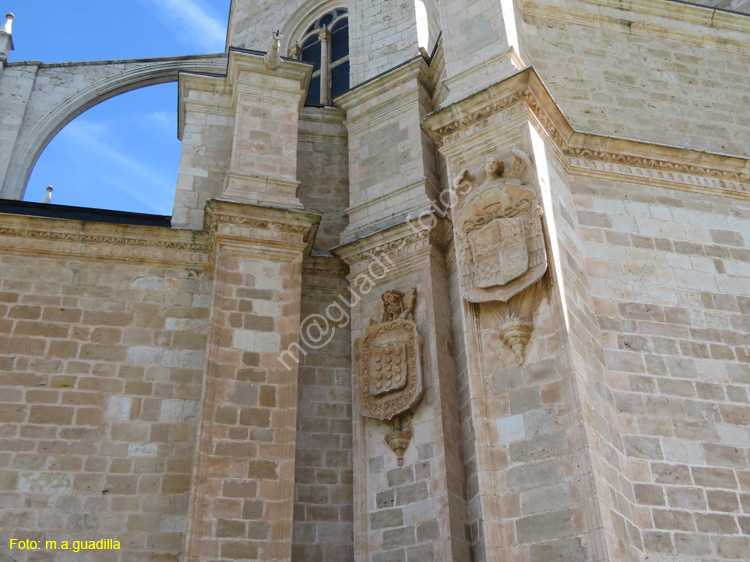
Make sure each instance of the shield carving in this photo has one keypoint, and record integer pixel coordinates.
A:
(501, 252)
(389, 369)
(500, 242)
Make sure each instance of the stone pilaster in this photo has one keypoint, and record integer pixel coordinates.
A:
(239, 135)
(414, 510)
(532, 495)
(243, 486)
(392, 169)
(481, 42)
(263, 166)
(243, 493)
(206, 128)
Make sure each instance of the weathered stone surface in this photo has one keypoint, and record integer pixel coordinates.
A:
(141, 393)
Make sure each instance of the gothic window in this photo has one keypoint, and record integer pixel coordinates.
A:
(326, 45)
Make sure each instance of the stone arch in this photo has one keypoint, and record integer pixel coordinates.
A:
(46, 114)
(308, 12)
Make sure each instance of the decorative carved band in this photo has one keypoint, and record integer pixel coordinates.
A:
(261, 224)
(404, 247)
(45, 237)
(666, 165)
(270, 227)
(482, 113)
(446, 124)
(112, 240)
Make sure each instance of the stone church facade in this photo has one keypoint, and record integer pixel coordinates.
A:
(484, 297)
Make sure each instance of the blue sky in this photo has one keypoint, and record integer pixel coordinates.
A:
(122, 154)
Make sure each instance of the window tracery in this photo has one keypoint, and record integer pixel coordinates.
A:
(325, 44)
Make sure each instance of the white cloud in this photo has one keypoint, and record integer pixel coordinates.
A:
(165, 121)
(191, 22)
(126, 175)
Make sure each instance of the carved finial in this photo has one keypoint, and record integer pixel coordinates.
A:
(48, 195)
(515, 333)
(294, 52)
(521, 163)
(272, 57)
(8, 25)
(398, 440)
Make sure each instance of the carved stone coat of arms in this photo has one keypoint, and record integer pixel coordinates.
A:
(500, 241)
(500, 245)
(388, 358)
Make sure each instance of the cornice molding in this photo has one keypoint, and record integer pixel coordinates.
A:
(290, 77)
(324, 274)
(326, 266)
(60, 238)
(404, 248)
(333, 139)
(474, 110)
(324, 125)
(671, 167)
(254, 227)
(422, 182)
(261, 190)
(378, 99)
(332, 115)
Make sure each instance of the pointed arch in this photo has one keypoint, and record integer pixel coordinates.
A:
(309, 11)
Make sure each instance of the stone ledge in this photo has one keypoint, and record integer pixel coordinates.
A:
(667, 166)
(52, 237)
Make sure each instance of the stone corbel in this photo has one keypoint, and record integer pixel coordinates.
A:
(400, 437)
(516, 318)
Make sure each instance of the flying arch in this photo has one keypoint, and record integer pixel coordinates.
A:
(46, 113)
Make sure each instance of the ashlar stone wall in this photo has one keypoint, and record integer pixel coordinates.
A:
(667, 273)
(101, 366)
(323, 510)
(676, 79)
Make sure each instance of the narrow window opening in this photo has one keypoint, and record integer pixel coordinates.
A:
(423, 25)
(326, 45)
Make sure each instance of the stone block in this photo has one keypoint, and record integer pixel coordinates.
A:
(550, 498)
(545, 526)
(569, 550)
(386, 519)
(532, 476)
